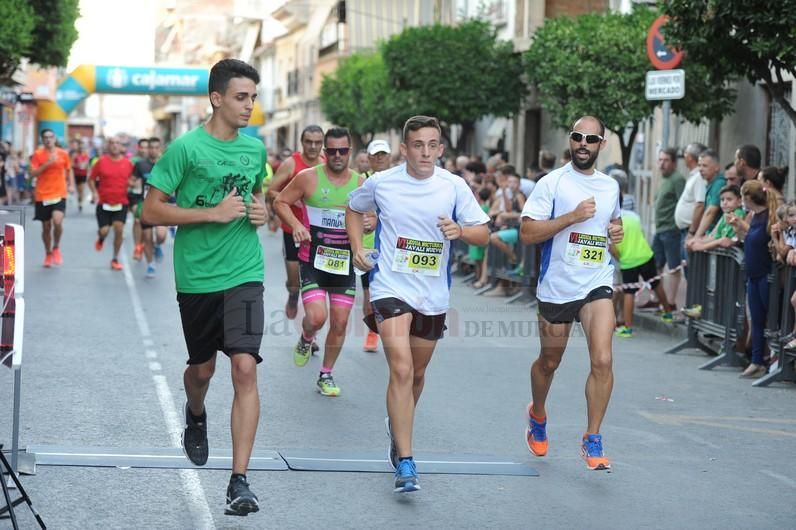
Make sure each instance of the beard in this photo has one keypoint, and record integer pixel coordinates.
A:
(586, 164)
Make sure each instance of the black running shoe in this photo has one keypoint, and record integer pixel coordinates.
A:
(240, 499)
(194, 439)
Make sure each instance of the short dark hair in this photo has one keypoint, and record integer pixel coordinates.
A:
(227, 69)
(336, 132)
(45, 131)
(415, 123)
(310, 129)
(751, 155)
(154, 139)
(484, 194)
(731, 188)
(142, 140)
(508, 170)
(671, 152)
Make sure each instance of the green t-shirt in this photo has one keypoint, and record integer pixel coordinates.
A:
(633, 250)
(669, 192)
(725, 229)
(201, 170)
(713, 196)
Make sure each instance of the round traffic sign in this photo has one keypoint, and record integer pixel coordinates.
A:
(661, 56)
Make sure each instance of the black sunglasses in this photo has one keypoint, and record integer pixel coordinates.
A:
(334, 151)
(576, 136)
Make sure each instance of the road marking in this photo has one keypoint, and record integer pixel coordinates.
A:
(151, 354)
(723, 422)
(782, 478)
(154, 366)
(194, 493)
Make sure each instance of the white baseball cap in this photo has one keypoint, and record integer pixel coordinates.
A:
(378, 146)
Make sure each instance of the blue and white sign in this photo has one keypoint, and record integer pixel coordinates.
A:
(145, 80)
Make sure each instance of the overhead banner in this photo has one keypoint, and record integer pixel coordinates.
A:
(137, 80)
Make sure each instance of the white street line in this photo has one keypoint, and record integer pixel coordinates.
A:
(194, 492)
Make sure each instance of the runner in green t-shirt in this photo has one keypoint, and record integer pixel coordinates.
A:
(636, 261)
(217, 173)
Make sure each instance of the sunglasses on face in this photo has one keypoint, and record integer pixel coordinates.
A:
(578, 137)
(334, 151)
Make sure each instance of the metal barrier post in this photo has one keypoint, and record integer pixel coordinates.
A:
(785, 358)
(730, 309)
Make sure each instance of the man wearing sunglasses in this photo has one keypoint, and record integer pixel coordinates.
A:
(574, 213)
(310, 156)
(324, 252)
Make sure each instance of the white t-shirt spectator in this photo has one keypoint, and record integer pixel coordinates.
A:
(694, 192)
(414, 256)
(526, 186)
(576, 260)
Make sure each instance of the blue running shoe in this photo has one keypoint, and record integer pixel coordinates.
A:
(150, 271)
(158, 254)
(592, 452)
(406, 477)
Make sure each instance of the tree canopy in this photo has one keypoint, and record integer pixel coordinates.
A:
(596, 64)
(42, 31)
(456, 73)
(755, 39)
(358, 96)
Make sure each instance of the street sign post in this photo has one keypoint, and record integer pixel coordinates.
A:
(667, 83)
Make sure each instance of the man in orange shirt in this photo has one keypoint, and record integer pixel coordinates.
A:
(51, 168)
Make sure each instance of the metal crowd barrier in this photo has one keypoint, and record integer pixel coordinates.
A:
(779, 324)
(525, 273)
(716, 281)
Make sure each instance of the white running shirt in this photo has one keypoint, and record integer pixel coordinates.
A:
(414, 256)
(575, 261)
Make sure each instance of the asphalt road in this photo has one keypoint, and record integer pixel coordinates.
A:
(103, 363)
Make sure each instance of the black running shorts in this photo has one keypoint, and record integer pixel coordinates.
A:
(231, 321)
(106, 218)
(45, 213)
(429, 327)
(570, 311)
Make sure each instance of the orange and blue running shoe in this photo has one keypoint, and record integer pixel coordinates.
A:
(536, 433)
(592, 452)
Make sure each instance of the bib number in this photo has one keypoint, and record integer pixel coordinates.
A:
(112, 207)
(50, 202)
(586, 250)
(414, 256)
(332, 260)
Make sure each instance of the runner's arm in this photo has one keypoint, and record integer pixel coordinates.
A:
(280, 179)
(158, 211)
(475, 235)
(354, 226)
(533, 231)
(293, 192)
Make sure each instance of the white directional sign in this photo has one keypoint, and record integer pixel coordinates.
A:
(665, 84)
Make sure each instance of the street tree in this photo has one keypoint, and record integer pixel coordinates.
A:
(358, 96)
(596, 64)
(42, 31)
(755, 39)
(456, 73)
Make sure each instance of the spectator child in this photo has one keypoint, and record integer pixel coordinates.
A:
(723, 234)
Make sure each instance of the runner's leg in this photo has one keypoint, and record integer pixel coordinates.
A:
(394, 333)
(245, 413)
(598, 324)
(553, 338)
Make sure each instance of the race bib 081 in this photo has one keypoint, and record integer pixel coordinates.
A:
(332, 260)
